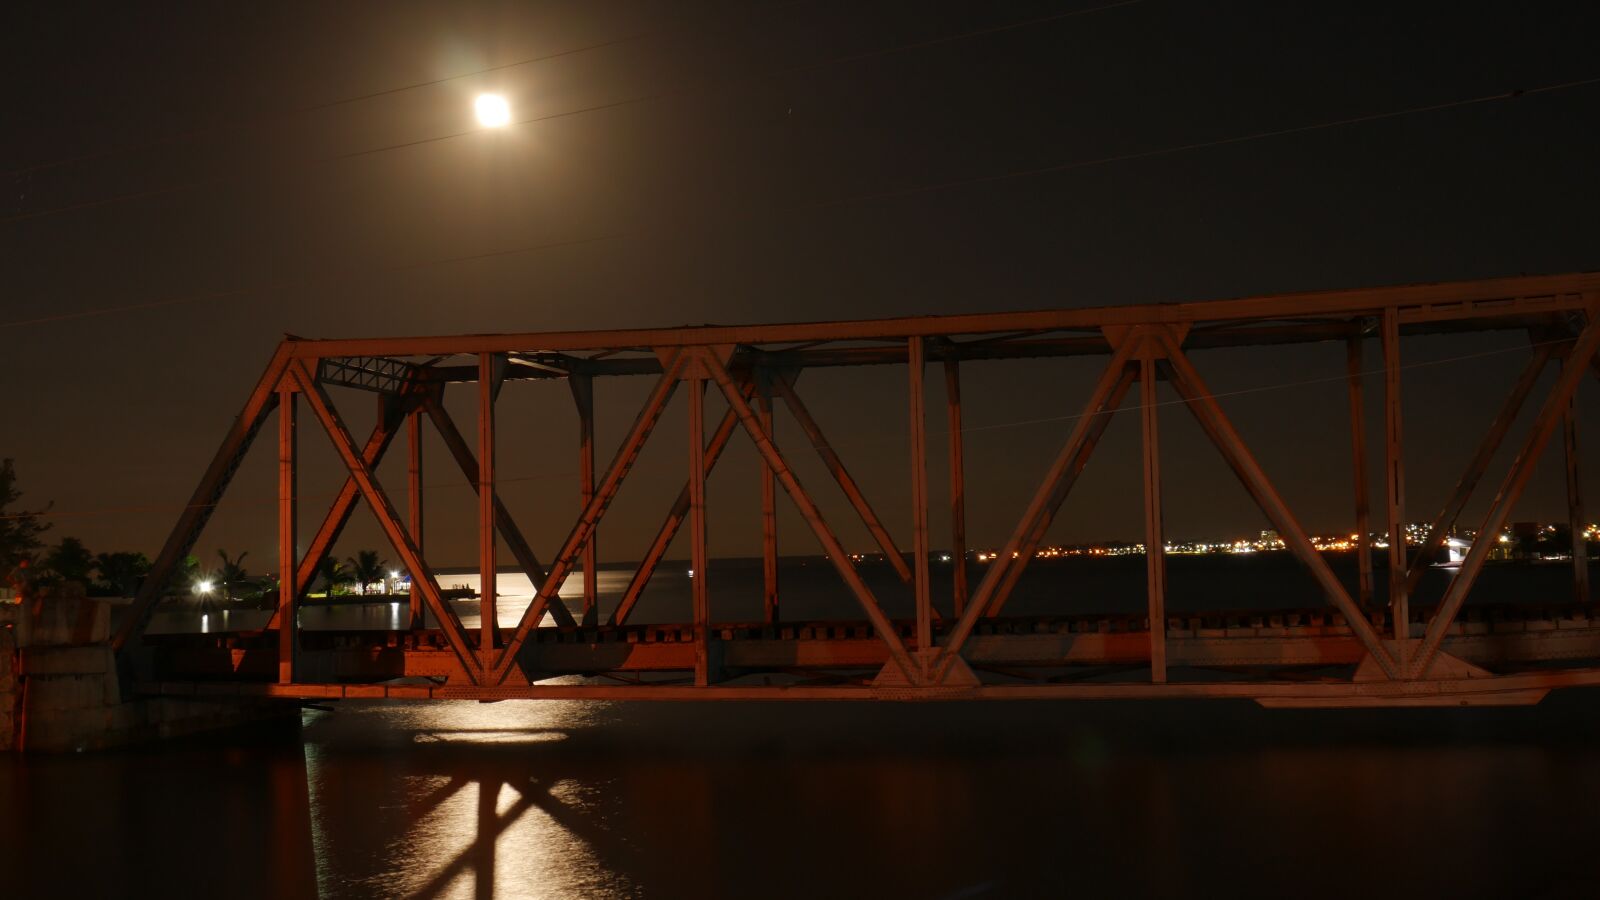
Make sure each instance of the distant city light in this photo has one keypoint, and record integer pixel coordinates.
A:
(493, 111)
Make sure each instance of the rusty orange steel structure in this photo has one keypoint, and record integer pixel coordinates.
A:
(1357, 655)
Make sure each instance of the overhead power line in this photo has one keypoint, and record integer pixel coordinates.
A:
(275, 115)
(1058, 168)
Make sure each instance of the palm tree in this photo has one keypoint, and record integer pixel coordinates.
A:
(333, 574)
(368, 567)
(232, 572)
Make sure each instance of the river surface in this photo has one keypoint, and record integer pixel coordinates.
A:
(571, 799)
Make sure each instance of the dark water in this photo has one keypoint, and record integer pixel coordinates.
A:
(565, 799)
(942, 800)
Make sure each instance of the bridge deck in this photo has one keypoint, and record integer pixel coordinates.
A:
(1082, 655)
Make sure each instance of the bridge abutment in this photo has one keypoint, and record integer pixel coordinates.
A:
(60, 691)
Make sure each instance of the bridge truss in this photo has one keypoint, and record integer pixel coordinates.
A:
(1333, 650)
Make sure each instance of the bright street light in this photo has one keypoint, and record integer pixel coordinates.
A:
(204, 587)
(493, 111)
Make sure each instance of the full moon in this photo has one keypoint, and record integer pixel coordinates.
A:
(493, 110)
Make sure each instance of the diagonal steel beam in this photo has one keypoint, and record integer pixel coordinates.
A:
(675, 518)
(1550, 415)
(338, 515)
(1192, 388)
(813, 516)
(784, 387)
(583, 529)
(1052, 492)
(1014, 565)
(388, 519)
(1446, 519)
(504, 523)
(206, 495)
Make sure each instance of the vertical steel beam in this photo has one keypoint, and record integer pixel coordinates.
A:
(204, 499)
(1155, 553)
(835, 465)
(288, 621)
(583, 529)
(917, 364)
(1580, 545)
(769, 507)
(487, 586)
(813, 516)
(388, 519)
(697, 530)
(1192, 388)
(1358, 469)
(674, 521)
(1395, 477)
(414, 511)
(958, 486)
(1516, 479)
(507, 526)
(1446, 519)
(583, 397)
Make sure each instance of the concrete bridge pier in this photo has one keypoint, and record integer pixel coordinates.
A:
(60, 691)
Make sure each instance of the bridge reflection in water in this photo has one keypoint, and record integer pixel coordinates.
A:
(555, 799)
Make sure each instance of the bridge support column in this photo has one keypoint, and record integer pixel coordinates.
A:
(414, 504)
(769, 507)
(1358, 470)
(919, 497)
(487, 383)
(1575, 523)
(1394, 479)
(288, 594)
(1155, 552)
(583, 396)
(697, 530)
(958, 487)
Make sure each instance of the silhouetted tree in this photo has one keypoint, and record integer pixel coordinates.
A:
(19, 529)
(368, 567)
(70, 560)
(232, 573)
(120, 573)
(333, 574)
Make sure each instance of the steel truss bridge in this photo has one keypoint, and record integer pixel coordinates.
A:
(1335, 649)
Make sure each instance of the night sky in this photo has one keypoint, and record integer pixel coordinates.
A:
(197, 180)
